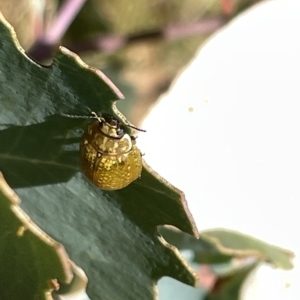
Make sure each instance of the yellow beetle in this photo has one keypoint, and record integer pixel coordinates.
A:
(109, 157)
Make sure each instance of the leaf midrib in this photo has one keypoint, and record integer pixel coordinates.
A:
(37, 161)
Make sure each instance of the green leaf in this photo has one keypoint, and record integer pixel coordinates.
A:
(111, 235)
(242, 245)
(30, 259)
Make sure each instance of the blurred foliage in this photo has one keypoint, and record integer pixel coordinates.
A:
(228, 286)
(30, 18)
(143, 69)
(147, 66)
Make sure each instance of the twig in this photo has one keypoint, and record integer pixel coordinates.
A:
(61, 23)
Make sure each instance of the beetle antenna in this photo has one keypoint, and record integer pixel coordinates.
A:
(77, 117)
(93, 115)
(143, 130)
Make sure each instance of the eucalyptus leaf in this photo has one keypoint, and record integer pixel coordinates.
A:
(242, 245)
(111, 235)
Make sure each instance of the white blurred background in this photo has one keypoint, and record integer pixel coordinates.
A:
(228, 135)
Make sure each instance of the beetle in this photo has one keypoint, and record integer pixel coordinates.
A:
(109, 156)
